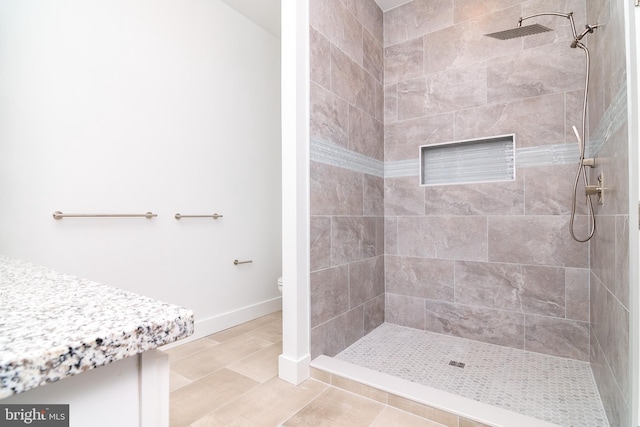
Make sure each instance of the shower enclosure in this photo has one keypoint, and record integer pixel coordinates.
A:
(490, 262)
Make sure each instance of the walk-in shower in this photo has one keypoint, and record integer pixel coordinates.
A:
(590, 190)
(468, 297)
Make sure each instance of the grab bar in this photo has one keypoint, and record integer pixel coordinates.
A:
(236, 262)
(60, 215)
(214, 216)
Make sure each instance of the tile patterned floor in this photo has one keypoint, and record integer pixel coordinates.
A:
(230, 379)
(557, 390)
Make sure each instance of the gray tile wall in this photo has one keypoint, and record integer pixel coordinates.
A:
(347, 211)
(609, 248)
(491, 262)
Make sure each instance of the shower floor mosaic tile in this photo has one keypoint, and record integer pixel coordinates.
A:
(557, 390)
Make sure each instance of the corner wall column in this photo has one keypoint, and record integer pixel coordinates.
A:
(293, 363)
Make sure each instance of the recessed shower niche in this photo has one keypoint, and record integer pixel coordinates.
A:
(468, 161)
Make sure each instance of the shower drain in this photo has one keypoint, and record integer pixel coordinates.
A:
(456, 364)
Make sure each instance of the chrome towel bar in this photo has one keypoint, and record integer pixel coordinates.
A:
(60, 215)
(214, 216)
(236, 262)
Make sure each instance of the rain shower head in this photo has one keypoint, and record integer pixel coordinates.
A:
(523, 31)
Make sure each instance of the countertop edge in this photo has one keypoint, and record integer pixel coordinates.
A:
(36, 352)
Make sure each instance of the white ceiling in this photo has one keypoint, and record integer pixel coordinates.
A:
(266, 13)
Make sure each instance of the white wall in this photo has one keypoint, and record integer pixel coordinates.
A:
(133, 106)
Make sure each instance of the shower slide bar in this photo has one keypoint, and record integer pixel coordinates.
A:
(214, 216)
(60, 215)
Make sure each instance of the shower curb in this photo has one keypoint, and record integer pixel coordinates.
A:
(442, 405)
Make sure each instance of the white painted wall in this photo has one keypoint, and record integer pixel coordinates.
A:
(133, 106)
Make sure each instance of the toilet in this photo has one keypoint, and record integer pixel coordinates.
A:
(280, 284)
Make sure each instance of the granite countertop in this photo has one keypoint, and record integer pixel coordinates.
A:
(54, 325)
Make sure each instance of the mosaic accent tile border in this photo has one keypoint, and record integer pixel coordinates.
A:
(334, 155)
(330, 154)
(615, 116)
(402, 168)
(543, 155)
(553, 389)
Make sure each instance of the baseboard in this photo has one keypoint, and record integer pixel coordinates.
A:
(229, 319)
(294, 371)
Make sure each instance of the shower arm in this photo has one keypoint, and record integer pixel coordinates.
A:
(568, 16)
(576, 38)
(563, 15)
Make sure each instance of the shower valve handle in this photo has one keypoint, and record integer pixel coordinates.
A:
(592, 190)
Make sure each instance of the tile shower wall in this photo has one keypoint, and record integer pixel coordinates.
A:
(609, 248)
(347, 225)
(491, 262)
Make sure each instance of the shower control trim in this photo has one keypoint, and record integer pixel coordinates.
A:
(597, 189)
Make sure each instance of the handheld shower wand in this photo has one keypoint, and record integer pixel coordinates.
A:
(582, 166)
(521, 31)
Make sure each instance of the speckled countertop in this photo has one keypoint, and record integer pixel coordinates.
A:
(54, 325)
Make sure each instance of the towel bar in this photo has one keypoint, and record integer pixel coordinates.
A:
(214, 216)
(60, 215)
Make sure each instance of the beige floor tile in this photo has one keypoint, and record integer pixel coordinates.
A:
(261, 365)
(468, 423)
(201, 397)
(359, 388)
(396, 418)
(319, 375)
(190, 348)
(230, 379)
(243, 328)
(269, 404)
(271, 331)
(336, 407)
(211, 359)
(176, 381)
(276, 315)
(424, 411)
